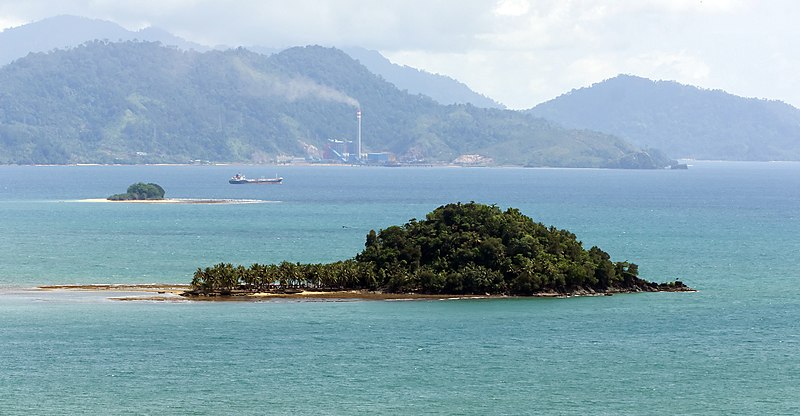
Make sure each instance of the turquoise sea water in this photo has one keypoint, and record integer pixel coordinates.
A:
(729, 229)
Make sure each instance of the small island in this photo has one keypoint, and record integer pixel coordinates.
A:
(153, 193)
(460, 249)
(140, 192)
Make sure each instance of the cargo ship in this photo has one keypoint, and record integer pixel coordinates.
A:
(241, 179)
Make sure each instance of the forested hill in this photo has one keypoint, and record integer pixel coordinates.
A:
(139, 102)
(458, 249)
(682, 120)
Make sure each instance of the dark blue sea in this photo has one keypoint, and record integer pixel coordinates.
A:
(730, 230)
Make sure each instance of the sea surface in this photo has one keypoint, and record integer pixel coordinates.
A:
(730, 230)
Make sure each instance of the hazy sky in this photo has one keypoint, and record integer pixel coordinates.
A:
(518, 52)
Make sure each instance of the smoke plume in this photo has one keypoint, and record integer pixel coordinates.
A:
(255, 82)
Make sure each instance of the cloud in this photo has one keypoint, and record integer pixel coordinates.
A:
(680, 64)
(512, 7)
(519, 52)
(6, 23)
(430, 24)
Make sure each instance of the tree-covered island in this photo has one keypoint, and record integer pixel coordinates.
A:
(140, 192)
(459, 249)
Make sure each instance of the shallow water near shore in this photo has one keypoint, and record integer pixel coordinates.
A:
(727, 229)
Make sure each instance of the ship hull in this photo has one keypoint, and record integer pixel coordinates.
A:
(270, 181)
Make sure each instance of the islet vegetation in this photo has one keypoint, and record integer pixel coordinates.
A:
(458, 249)
(140, 191)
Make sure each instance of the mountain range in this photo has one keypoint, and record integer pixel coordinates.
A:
(61, 32)
(291, 102)
(141, 102)
(682, 120)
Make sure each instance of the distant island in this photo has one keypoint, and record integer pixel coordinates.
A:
(458, 249)
(140, 192)
(153, 193)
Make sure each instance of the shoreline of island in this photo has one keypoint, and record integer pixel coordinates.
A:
(182, 292)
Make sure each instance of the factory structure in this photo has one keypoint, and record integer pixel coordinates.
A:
(346, 151)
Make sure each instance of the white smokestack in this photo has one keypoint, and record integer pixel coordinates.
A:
(358, 145)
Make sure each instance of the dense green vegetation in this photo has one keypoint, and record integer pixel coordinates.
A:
(140, 191)
(140, 102)
(458, 249)
(681, 120)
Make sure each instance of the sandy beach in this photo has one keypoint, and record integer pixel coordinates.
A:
(172, 292)
(147, 291)
(139, 287)
(175, 292)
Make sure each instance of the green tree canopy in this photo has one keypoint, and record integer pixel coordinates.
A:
(460, 248)
(140, 191)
